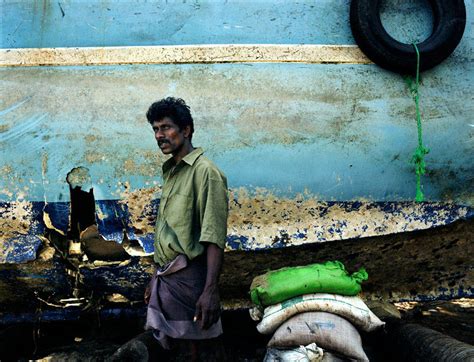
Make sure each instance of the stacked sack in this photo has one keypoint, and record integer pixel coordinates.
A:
(313, 312)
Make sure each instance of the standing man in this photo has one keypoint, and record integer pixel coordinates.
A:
(183, 297)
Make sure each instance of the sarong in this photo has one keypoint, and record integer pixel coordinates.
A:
(175, 290)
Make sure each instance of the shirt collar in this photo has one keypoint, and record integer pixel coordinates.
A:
(190, 158)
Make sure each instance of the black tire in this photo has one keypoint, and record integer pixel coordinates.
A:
(369, 33)
(413, 342)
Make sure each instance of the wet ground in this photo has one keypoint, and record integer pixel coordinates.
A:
(92, 339)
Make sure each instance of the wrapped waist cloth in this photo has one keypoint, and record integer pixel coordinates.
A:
(175, 290)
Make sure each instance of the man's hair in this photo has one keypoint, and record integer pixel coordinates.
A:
(174, 108)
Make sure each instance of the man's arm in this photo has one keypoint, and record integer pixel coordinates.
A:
(208, 306)
(212, 203)
(147, 293)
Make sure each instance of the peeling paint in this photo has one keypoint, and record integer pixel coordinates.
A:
(139, 206)
(264, 220)
(49, 223)
(20, 230)
(225, 53)
(79, 177)
(16, 218)
(56, 216)
(314, 152)
(297, 124)
(47, 251)
(260, 220)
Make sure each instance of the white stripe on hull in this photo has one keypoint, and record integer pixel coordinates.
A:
(181, 54)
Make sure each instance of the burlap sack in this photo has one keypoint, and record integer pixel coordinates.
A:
(351, 308)
(327, 330)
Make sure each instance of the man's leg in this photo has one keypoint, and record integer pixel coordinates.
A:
(142, 348)
(210, 350)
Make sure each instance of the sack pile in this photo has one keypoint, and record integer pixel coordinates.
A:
(313, 312)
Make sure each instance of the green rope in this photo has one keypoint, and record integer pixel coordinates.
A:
(418, 157)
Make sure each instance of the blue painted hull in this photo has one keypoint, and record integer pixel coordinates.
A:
(314, 152)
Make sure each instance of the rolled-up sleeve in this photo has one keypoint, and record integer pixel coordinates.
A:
(213, 208)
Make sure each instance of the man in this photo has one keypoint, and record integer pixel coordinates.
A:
(183, 298)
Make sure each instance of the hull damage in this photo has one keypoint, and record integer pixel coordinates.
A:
(315, 140)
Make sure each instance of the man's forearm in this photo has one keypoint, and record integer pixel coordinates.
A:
(215, 257)
(147, 293)
(208, 304)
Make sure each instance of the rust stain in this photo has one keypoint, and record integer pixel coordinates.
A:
(94, 157)
(138, 202)
(44, 164)
(4, 127)
(16, 219)
(151, 167)
(92, 138)
(7, 170)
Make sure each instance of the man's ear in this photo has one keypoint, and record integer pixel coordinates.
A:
(187, 131)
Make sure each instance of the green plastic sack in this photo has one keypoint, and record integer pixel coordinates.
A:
(282, 284)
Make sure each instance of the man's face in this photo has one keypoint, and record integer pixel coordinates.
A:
(169, 137)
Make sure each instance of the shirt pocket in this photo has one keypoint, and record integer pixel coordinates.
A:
(178, 212)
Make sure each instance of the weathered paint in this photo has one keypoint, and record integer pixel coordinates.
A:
(21, 282)
(423, 265)
(33, 24)
(127, 279)
(256, 222)
(20, 227)
(117, 23)
(341, 132)
(184, 54)
(264, 221)
(313, 152)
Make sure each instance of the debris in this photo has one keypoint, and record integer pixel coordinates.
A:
(97, 248)
(74, 248)
(64, 303)
(133, 248)
(384, 310)
(117, 298)
(46, 253)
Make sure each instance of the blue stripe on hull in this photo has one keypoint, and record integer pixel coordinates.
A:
(114, 218)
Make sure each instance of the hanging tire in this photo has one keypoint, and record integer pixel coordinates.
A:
(369, 33)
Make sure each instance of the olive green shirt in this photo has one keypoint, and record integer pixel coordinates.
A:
(193, 208)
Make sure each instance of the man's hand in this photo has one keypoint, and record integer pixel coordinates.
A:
(208, 308)
(147, 294)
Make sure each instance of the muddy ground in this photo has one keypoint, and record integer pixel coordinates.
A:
(91, 339)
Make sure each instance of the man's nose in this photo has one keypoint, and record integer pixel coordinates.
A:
(159, 134)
